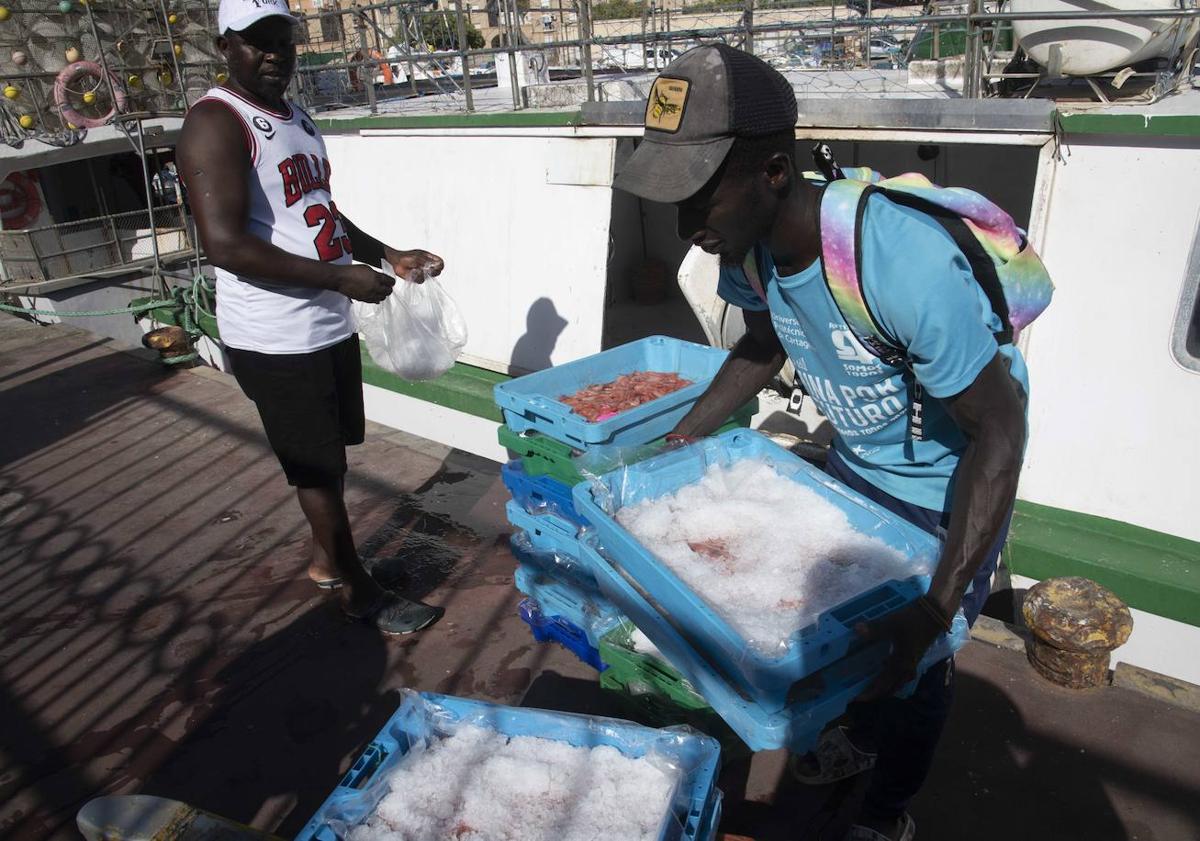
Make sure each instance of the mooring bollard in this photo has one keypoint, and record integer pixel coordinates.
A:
(1076, 624)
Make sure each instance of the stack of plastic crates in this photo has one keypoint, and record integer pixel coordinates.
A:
(549, 441)
(423, 718)
(692, 662)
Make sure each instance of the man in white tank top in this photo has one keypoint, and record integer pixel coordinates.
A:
(258, 181)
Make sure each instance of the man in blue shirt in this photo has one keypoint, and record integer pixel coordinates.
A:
(719, 144)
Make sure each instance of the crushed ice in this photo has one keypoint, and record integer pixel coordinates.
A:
(480, 785)
(767, 553)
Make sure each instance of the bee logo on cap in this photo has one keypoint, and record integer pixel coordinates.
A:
(668, 99)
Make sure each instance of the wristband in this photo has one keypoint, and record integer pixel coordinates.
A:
(676, 438)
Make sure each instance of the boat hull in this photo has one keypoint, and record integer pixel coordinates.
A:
(1096, 46)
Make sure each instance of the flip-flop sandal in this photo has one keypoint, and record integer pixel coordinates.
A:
(395, 615)
(835, 758)
(862, 833)
(392, 581)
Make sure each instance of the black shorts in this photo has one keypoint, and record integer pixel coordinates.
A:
(311, 405)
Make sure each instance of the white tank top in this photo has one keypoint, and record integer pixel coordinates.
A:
(291, 208)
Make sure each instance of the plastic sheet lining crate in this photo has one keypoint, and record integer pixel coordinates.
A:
(557, 629)
(426, 716)
(764, 676)
(816, 701)
(533, 402)
(586, 609)
(541, 455)
(540, 494)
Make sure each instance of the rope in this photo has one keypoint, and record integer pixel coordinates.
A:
(189, 303)
(150, 305)
(193, 302)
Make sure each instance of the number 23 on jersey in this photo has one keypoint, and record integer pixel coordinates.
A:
(331, 241)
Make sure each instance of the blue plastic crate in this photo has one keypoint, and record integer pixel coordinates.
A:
(818, 700)
(556, 629)
(540, 494)
(532, 401)
(547, 532)
(561, 567)
(766, 677)
(423, 716)
(583, 607)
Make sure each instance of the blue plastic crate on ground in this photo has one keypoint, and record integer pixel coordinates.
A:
(817, 700)
(556, 629)
(765, 676)
(585, 608)
(424, 716)
(540, 494)
(532, 401)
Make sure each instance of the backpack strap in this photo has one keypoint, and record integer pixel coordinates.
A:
(750, 269)
(842, 208)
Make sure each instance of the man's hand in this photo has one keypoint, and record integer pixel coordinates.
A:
(363, 283)
(910, 630)
(415, 265)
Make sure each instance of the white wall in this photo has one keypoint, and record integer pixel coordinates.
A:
(1113, 418)
(519, 220)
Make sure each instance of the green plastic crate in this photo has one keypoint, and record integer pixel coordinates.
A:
(646, 673)
(541, 455)
(641, 702)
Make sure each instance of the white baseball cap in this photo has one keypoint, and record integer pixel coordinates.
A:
(242, 14)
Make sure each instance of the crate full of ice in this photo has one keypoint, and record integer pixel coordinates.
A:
(815, 701)
(452, 769)
(660, 379)
(764, 562)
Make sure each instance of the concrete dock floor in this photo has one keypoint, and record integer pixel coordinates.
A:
(160, 635)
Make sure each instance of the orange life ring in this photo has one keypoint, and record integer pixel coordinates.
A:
(20, 201)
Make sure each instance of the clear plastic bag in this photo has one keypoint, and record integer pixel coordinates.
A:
(417, 332)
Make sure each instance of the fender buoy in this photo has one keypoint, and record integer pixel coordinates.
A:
(78, 70)
(20, 201)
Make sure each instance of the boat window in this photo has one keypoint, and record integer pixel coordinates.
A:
(1185, 338)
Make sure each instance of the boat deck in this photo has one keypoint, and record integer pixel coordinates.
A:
(160, 635)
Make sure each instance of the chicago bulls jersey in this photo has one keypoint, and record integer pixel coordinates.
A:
(291, 208)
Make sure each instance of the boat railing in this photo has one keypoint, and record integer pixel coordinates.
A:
(97, 247)
(370, 65)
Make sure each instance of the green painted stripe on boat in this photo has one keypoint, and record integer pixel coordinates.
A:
(1150, 125)
(515, 119)
(463, 388)
(1155, 572)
